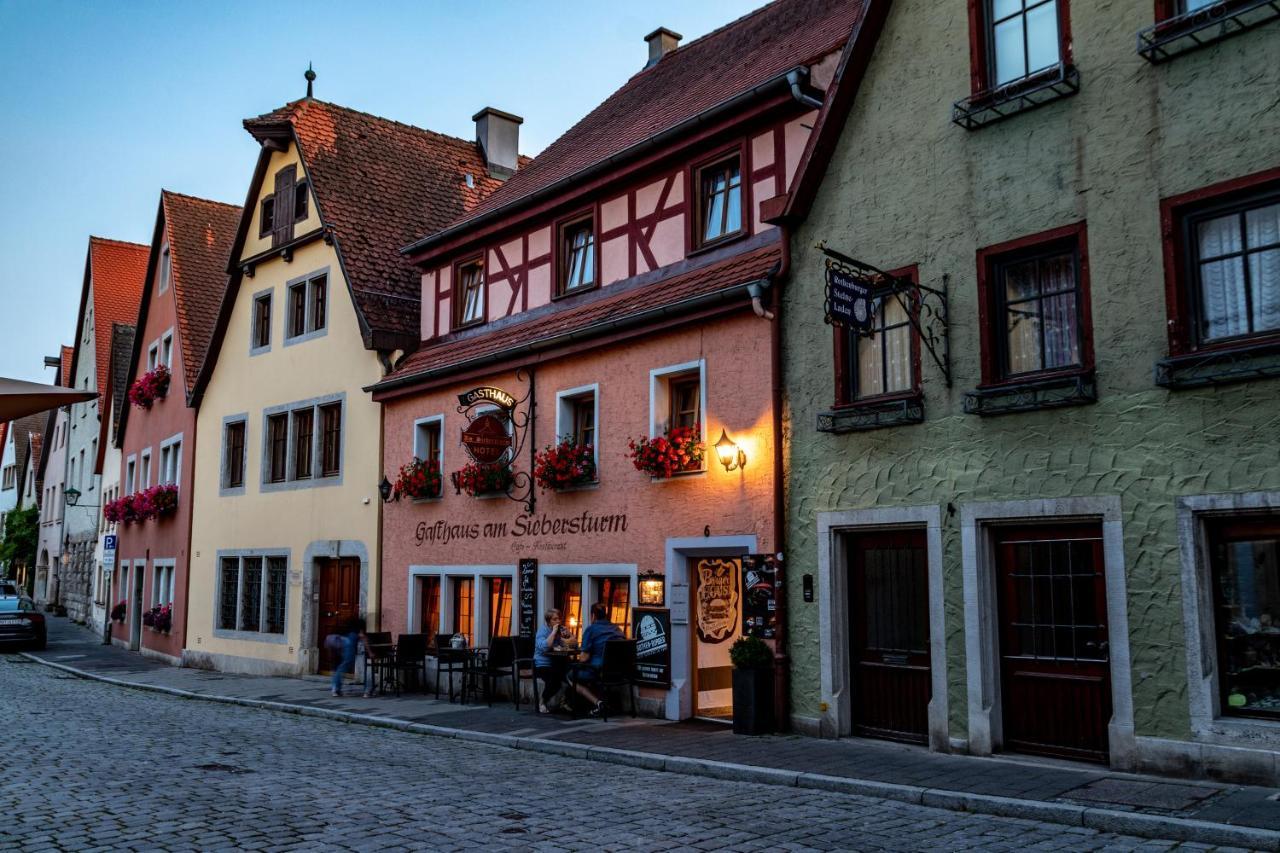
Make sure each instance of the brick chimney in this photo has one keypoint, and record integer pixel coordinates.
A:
(498, 134)
(661, 42)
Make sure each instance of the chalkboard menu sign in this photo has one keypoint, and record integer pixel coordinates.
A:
(760, 579)
(653, 645)
(528, 597)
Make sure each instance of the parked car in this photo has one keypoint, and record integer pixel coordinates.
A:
(21, 623)
(8, 588)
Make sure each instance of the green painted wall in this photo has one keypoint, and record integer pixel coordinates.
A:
(906, 186)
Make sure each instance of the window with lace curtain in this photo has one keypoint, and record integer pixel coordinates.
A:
(1234, 266)
(884, 364)
(1037, 313)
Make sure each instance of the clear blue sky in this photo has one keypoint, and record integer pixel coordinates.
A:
(104, 103)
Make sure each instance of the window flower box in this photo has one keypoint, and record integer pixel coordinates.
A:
(156, 502)
(159, 618)
(419, 479)
(477, 480)
(565, 465)
(676, 451)
(149, 387)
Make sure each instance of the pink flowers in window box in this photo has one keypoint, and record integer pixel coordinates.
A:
(156, 502)
(419, 479)
(159, 618)
(565, 465)
(149, 387)
(476, 479)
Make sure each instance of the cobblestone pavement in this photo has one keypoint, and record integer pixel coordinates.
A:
(89, 765)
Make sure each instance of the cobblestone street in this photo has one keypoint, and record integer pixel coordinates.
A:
(93, 766)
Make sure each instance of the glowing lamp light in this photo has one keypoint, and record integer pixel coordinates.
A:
(652, 589)
(731, 456)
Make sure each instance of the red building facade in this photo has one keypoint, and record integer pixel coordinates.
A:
(610, 301)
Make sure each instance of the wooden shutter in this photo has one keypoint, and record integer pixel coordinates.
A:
(283, 230)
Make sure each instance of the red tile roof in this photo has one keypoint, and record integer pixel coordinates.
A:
(609, 305)
(117, 270)
(200, 233)
(686, 82)
(380, 184)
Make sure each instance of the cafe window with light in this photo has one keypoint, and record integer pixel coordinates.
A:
(1038, 313)
(577, 256)
(499, 607)
(719, 201)
(468, 299)
(429, 606)
(885, 363)
(1244, 555)
(615, 594)
(566, 595)
(463, 605)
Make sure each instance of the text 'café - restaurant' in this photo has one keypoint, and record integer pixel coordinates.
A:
(592, 414)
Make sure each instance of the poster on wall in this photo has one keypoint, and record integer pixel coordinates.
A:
(653, 645)
(528, 596)
(717, 600)
(760, 579)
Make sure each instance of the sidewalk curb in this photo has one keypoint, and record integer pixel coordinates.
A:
(1103, 820)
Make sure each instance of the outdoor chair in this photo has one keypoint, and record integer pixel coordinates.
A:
(522, 669)
(378, 652)
(499, 663)
(618, 669)
(410, 664)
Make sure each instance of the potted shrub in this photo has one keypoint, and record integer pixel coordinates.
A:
(419, 480)
(149, 387)
(565, 465)
(676, 450)
(752, 686)
(476, 479)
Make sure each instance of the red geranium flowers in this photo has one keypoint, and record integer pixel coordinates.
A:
(149, 387)
(565, 465)
(680, 449)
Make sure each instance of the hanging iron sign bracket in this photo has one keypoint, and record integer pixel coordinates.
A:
(517, 414)
(925, 307)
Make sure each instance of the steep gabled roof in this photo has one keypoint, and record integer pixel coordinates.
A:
(379, 184)
(23, 431)
(117, 270)
(694, 78)
(627, 304)
(117, 380)
(200, 233)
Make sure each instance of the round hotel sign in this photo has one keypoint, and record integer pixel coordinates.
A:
(486, 438)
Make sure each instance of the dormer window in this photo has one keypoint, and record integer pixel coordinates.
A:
(165, 269)
(469, 295)
(301, 201)
(578, 255)
(267, 221)
(719, 201)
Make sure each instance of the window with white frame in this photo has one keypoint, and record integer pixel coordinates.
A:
(252, 592)
(170, 461)
(428, 439)
(165, 269)
(578, 417)
(166, 350)
(574, 589)
(131, 475)
(677, 400)
(153, 356)
(144, 470)
(162, 585)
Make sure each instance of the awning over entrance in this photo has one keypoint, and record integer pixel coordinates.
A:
(19, 399)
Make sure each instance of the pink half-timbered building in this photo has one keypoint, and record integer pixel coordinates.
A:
(611, 302)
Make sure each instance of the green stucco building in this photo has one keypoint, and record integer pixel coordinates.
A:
(1038, 510)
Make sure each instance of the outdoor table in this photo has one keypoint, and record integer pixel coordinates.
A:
(377, 658)
(468, 656)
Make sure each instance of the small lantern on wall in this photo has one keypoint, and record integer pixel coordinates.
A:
(731, 456)
(385, 489)
(652, 589)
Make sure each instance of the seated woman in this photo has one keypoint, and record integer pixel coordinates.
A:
(548, 668)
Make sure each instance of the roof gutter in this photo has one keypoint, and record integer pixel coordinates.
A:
(684, 307)
(781, 83)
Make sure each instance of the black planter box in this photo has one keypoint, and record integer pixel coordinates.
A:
(753, 701)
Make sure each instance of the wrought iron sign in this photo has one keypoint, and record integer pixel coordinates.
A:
(925, 307)
(499, 426)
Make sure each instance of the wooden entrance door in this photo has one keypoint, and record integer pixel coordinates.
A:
(339, 603)
(1055, 670)
(889, 635)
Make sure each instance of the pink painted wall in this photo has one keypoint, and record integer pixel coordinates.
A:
(737, 399)
(167, 538)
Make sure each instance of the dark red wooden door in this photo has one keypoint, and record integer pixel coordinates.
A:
(339, 603)
(889, 635)
(1055, 670)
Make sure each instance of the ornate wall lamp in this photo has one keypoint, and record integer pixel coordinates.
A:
(652, 589)
(731, 456)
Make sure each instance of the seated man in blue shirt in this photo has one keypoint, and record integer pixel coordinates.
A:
(599, 632)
